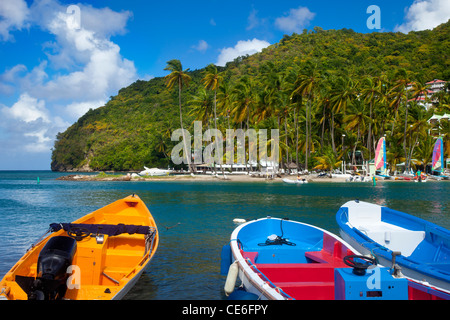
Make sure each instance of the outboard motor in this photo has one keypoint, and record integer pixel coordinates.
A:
(53, 261)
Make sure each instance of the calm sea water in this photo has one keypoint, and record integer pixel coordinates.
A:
(187, 262)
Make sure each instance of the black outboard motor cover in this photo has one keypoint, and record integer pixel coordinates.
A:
(56, 256)
(53, 261)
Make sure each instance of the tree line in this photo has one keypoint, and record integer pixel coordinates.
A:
(323, 117)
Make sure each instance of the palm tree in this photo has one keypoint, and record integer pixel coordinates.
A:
(372, 93)
(212, 80)
(202, 106)
(343, 93)
(328, 160)
(307, 85)
(424, 152)
(419, 128)
(399, 94)
(244, 100)
(417, 91)
(178, 76)
(356, 118)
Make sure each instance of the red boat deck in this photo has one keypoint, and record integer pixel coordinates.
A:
(308, 281)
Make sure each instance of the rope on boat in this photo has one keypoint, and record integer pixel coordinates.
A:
(279, 240)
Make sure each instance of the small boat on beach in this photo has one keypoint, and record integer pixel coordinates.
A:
(97, 257)
(419, 248)
(297, 181)
(279, 259)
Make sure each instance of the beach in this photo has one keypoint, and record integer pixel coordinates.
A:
(253, 177)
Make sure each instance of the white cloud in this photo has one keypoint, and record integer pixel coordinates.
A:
(296, 20)
(29, 127)
(425, 14)
(83, 69)
(242, 48)
(77, 109)
(13, 15)
(27, 109)
(202, 46)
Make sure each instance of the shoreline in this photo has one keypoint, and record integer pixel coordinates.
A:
(311, 178)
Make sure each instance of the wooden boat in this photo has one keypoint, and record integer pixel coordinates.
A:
(298, 181)
(279, 259)
(420, 248)
(97, 257)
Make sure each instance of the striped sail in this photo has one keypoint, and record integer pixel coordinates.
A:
(438, 155)
(380, 156)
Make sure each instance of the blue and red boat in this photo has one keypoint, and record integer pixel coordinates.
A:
(280, 259)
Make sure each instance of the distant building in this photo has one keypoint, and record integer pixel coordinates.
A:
(434, 87)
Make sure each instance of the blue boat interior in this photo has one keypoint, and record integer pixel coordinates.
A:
(434, 250)
(300, 239)
(431, 251)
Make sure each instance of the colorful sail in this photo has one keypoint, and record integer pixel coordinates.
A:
(438, 155)
(380, 155)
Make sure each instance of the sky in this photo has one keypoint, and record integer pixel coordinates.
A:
(58, 58)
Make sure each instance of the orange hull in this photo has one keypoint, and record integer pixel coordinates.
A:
(104, 267)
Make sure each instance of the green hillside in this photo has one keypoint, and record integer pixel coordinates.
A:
(311, 86)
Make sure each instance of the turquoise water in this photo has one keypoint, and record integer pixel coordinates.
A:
(199, 217)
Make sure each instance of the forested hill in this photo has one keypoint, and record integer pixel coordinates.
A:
(133, 129)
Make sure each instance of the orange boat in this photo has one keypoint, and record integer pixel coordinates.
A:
(97, 257)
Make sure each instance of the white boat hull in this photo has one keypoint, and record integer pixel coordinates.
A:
(289, 181)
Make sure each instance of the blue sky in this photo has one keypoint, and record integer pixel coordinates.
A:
(59, 58)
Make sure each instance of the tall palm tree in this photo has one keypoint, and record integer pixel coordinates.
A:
(178, 76)
(372, 93)
(212, 80)
(343, 93)
(417, 91)
(399, 94)
(244, 95)
(307, 85)
(419, 128)
(356, 118)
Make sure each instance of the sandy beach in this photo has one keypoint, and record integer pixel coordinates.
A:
(311, 178)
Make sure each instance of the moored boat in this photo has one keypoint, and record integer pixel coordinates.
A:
(97, 257)
(279, 259)
(420, 248)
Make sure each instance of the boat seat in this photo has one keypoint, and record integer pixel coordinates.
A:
(393, 237)
(324, 257)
